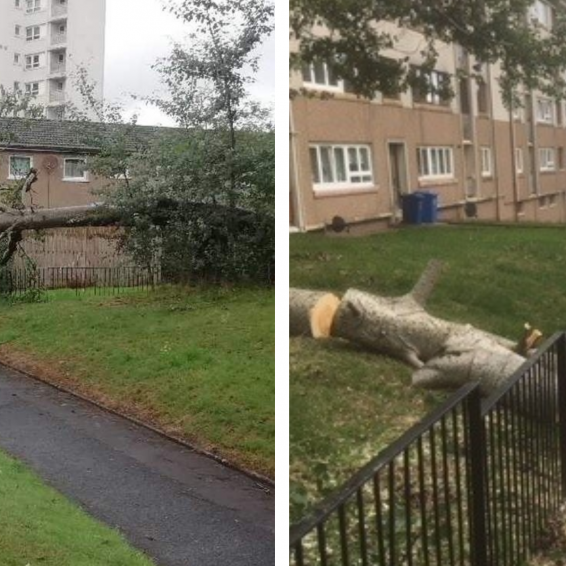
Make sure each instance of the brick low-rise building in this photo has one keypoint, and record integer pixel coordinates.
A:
(354, 158)
(59, 151)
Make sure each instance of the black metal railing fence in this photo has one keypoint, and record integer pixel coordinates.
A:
(19, 281)
(472, 484)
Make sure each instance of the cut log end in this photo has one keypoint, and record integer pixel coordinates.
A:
(322, 316)
(311, 313)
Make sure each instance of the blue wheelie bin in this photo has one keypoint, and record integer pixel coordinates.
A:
(413, 208)
(430, 207)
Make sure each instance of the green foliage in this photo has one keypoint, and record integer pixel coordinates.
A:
(492, 30)
(199, 199)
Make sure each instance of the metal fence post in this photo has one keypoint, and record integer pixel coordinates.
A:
(477, 470)
(561, 378)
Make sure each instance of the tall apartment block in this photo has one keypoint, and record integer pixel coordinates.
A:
(42, 42)
(353, 159)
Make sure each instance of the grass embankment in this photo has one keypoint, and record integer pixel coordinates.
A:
(198, 363)
(38, 526)
(346, 405)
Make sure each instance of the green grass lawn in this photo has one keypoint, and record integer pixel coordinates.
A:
(39, 526)
(346, 405)
(199, 363)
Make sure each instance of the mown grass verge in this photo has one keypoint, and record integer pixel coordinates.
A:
(39, 526)
(198, 363)
(347, 405)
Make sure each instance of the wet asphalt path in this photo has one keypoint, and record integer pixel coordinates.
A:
(181, 508)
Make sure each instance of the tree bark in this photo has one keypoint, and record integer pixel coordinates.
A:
(88, 215)
(444, 354)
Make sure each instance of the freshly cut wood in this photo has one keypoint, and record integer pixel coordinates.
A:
(311, 313)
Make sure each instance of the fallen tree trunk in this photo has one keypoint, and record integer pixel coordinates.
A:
(311, 313)
(74, 216)
(444, 354)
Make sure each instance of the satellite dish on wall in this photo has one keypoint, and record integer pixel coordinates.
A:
(49, 163)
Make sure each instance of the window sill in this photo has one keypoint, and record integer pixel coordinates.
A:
(75, 180)
(346, 191)
(436, 181)
(432, 107)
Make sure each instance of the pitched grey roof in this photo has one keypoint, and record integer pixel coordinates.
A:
(64, 136)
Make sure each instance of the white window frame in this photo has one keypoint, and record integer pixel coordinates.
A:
(545, 111)
(35, 33)
(546, 159)
(434, 79)
(353, 179)
(83, 179)
(486, 161)
(33, 6)
(31, 90)
(519, 163)
(326, 84)
(31, 61)
(12, 176)
(435, 162)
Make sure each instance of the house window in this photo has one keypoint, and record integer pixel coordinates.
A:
(320, 74)
(16, 58)
(16, 86)
(75, 170)
(16, 3)
(486, 162)
(33, 6)
(432, 87)
(17, 30)
(32, 61)
(482, 97)
(341, 166)
(19, 166)
(545, 111)
(519, 167)
(435, 162)
(541, 13)
(560, 158)
(552, 200)
(33, 33)
(32, 88)
(546, 159)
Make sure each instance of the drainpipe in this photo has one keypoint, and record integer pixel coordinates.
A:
(298, 197)
(495, 163)
(513, 142)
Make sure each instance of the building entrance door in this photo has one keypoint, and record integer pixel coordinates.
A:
(398, 171)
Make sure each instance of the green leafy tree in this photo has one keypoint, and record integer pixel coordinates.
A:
(201, 196)
(531, 56)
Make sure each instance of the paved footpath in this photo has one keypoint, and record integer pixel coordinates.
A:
(181, 508)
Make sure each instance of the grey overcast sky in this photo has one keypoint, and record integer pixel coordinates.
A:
(137, 33)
